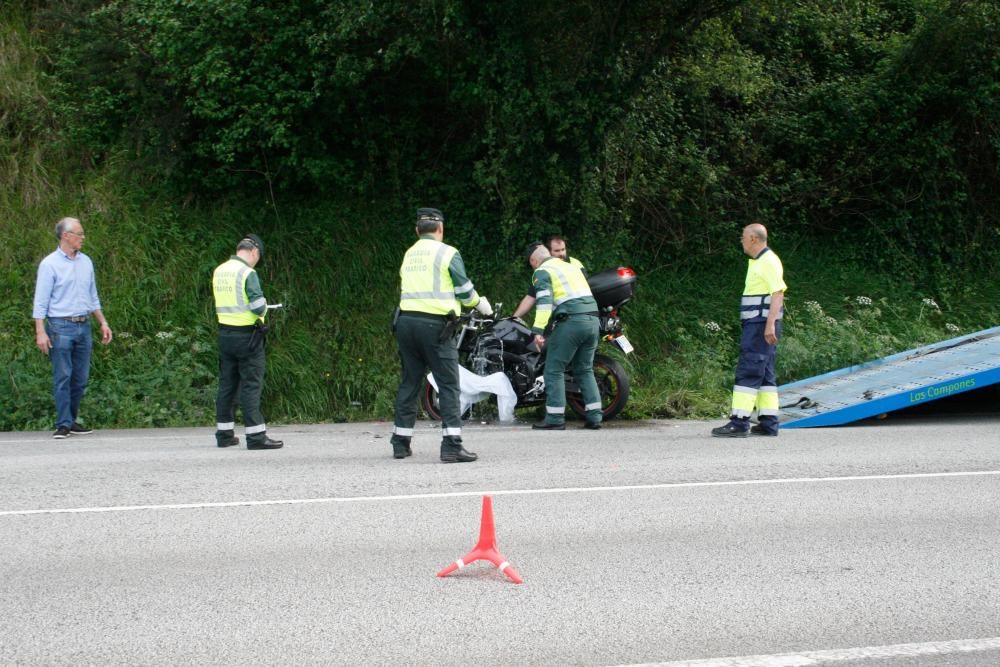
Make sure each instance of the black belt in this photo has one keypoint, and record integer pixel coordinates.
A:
(424, 316)
(75, 318)
(233, 327)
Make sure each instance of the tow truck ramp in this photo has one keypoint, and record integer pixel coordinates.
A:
(898, 381)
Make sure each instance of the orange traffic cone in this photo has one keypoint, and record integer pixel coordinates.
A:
(486, 549)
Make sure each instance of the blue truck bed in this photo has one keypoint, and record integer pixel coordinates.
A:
(898, 381)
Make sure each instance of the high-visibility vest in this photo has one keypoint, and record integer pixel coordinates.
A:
(765, 275)
(575, 262)
(568, 282)
(229, 285)
(425, 281)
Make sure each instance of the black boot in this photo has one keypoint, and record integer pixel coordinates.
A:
(452, 451)
(400, 447)
(266, 443)
(738, 427)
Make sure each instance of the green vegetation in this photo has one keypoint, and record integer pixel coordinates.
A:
(863, 133)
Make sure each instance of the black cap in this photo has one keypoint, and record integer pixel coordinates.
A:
(257, 243)
(529, 250)
(429, 215)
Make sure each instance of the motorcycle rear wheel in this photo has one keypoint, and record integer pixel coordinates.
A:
(613, 385)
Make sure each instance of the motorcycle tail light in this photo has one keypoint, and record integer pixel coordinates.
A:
(626, 272)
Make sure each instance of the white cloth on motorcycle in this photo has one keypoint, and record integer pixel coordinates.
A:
(475, 388)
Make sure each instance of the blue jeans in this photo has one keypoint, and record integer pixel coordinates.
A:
(70, 356)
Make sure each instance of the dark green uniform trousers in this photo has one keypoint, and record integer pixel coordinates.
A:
(420, 348)
(572, 345)
(241, 379)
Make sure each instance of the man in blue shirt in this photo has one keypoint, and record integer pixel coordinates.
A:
(65, 298)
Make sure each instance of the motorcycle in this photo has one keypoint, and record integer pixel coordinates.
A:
(488, 345)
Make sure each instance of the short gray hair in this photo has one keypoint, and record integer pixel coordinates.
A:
(246, 244)
(539, 253)
(428, 225)
(64, 225)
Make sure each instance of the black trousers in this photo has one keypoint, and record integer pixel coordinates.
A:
(241, 380)
(420, 349)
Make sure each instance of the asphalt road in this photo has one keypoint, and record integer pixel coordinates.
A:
(639, 543)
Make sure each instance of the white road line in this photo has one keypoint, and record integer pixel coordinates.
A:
(508, 492)
(809, 658)
(195, 438)
(90, 438)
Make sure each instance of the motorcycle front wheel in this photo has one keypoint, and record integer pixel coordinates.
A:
(612, 384)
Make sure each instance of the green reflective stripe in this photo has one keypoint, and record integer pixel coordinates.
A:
(470, 301)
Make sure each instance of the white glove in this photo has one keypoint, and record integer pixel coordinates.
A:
(484, 307)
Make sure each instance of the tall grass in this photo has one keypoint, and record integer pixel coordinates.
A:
(331, 356)
(28, 135)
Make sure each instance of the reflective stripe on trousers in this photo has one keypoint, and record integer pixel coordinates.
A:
(756, 382)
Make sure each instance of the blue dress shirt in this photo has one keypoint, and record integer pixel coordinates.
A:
(65, 286)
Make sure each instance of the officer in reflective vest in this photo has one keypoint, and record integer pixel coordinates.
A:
(433, 289)
(761, 308)
(566, 320)
(240, 308)
(557, 248)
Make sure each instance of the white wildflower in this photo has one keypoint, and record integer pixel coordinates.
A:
(862, 301)
(813, 308)
(952, 327)
(123, 334)
(164, 335)
(829, 321)
(931, 303)
(713, 327)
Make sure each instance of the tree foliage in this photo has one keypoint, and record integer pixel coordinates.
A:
(675, 122)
